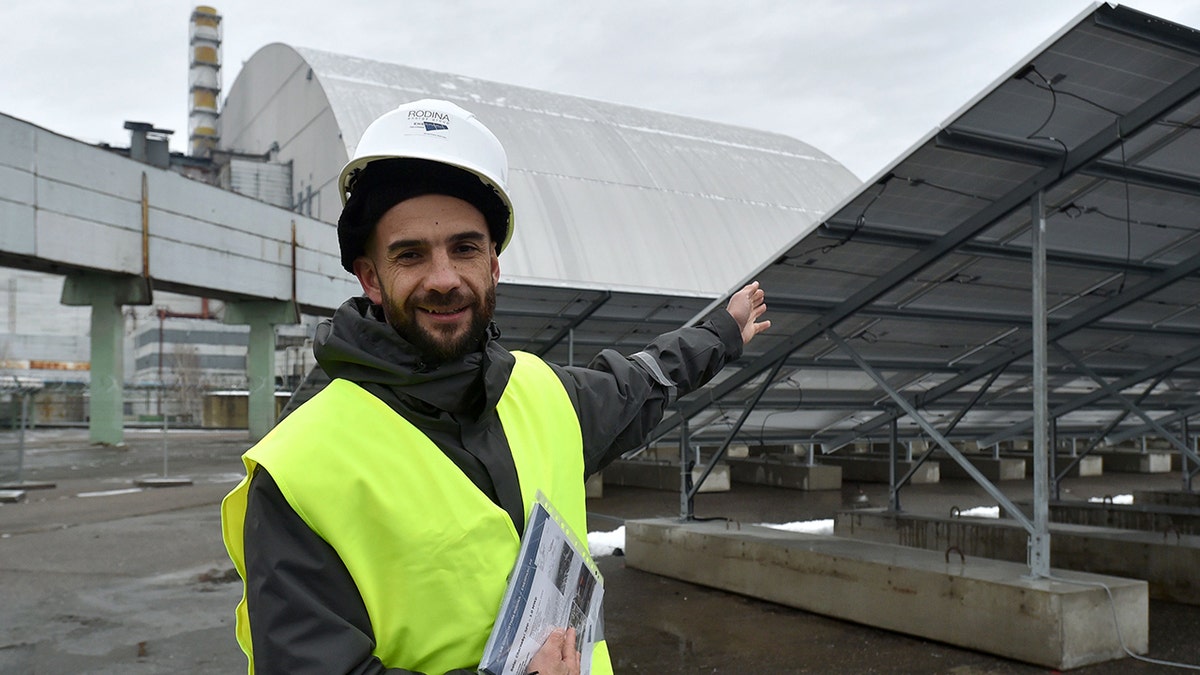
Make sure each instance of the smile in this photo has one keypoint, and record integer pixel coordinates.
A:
(444, 313)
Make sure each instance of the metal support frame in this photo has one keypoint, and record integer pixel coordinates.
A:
(1165, 366)
(1039, 536)
(25, 396)
(896, 486)
(893, 488)
(1166, 419)
(1191, 474)
(1052, 173)
(1052, 462)
(689, 494)
(687, 510)
(574, 323)
(1095, 442)
(1185, 472)
(1112, 392)
(933, 433)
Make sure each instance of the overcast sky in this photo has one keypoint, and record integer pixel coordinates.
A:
(859, 79)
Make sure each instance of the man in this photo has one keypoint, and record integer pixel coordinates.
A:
(379, 521)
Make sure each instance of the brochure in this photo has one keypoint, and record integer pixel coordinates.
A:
(554, 584)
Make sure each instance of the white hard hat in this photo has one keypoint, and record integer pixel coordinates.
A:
(436, 131)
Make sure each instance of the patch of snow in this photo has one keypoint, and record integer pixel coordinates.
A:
(806, 526)
(604, 543)
(1118, 499)
(109, 493)
(982, 512)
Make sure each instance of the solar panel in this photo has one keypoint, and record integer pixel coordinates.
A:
(925, 272)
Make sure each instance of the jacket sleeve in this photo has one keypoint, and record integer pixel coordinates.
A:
(306, 614)
(621, 399)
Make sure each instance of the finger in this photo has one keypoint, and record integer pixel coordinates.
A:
(569, 654)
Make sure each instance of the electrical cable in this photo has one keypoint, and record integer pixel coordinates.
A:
(1121, 219)
(1112, 603)
(914, 182)
(858, 223)
(1049, 86)
(1050, 115)
(762, 428)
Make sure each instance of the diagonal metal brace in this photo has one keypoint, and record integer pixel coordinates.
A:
(708, 468)
(1116, 395)
(1116, 421)
(936, 435)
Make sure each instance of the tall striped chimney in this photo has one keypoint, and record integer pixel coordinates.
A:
(204, 80)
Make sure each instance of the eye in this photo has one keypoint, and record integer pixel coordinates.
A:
(407, 256)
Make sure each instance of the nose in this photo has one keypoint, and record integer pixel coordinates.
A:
(443, 275)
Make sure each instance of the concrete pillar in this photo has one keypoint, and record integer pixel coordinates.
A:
(262, 316)
(107, 294)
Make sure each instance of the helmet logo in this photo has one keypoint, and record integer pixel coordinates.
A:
(429, 120)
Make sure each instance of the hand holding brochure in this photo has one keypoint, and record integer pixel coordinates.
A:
(554, 584)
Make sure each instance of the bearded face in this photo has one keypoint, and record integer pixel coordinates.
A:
(431, 264)
(436, 339)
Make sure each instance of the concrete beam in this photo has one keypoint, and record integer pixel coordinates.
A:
(988, 605)
(777, 472)
(1165, 521)
(1188, 500)
(106, 294)
(660, 475)
(262, 316)
(1167, 564)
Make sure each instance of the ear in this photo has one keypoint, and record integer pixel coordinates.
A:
(368, 278)
(495, 268)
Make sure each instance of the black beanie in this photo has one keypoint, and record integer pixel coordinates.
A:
(386, 182)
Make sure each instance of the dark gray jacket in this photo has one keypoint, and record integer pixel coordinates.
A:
(306, 615)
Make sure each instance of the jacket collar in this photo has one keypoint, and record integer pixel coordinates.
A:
(357, 344)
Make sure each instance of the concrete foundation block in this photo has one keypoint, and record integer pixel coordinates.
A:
(981, 604)
(737, 450)
(662, 475)
(1091, 465)
(793, 475)
(593, 487)
(1187, 500)
(1165, 521)
(1086, 467)
(1177, 461)
(1137, 462)
(875, 470)
(1167, 564)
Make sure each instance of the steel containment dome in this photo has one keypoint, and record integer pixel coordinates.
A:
(605, 195)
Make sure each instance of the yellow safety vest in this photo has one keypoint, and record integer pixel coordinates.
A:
(429, 552)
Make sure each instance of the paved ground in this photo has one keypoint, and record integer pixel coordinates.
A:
(98, 578)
